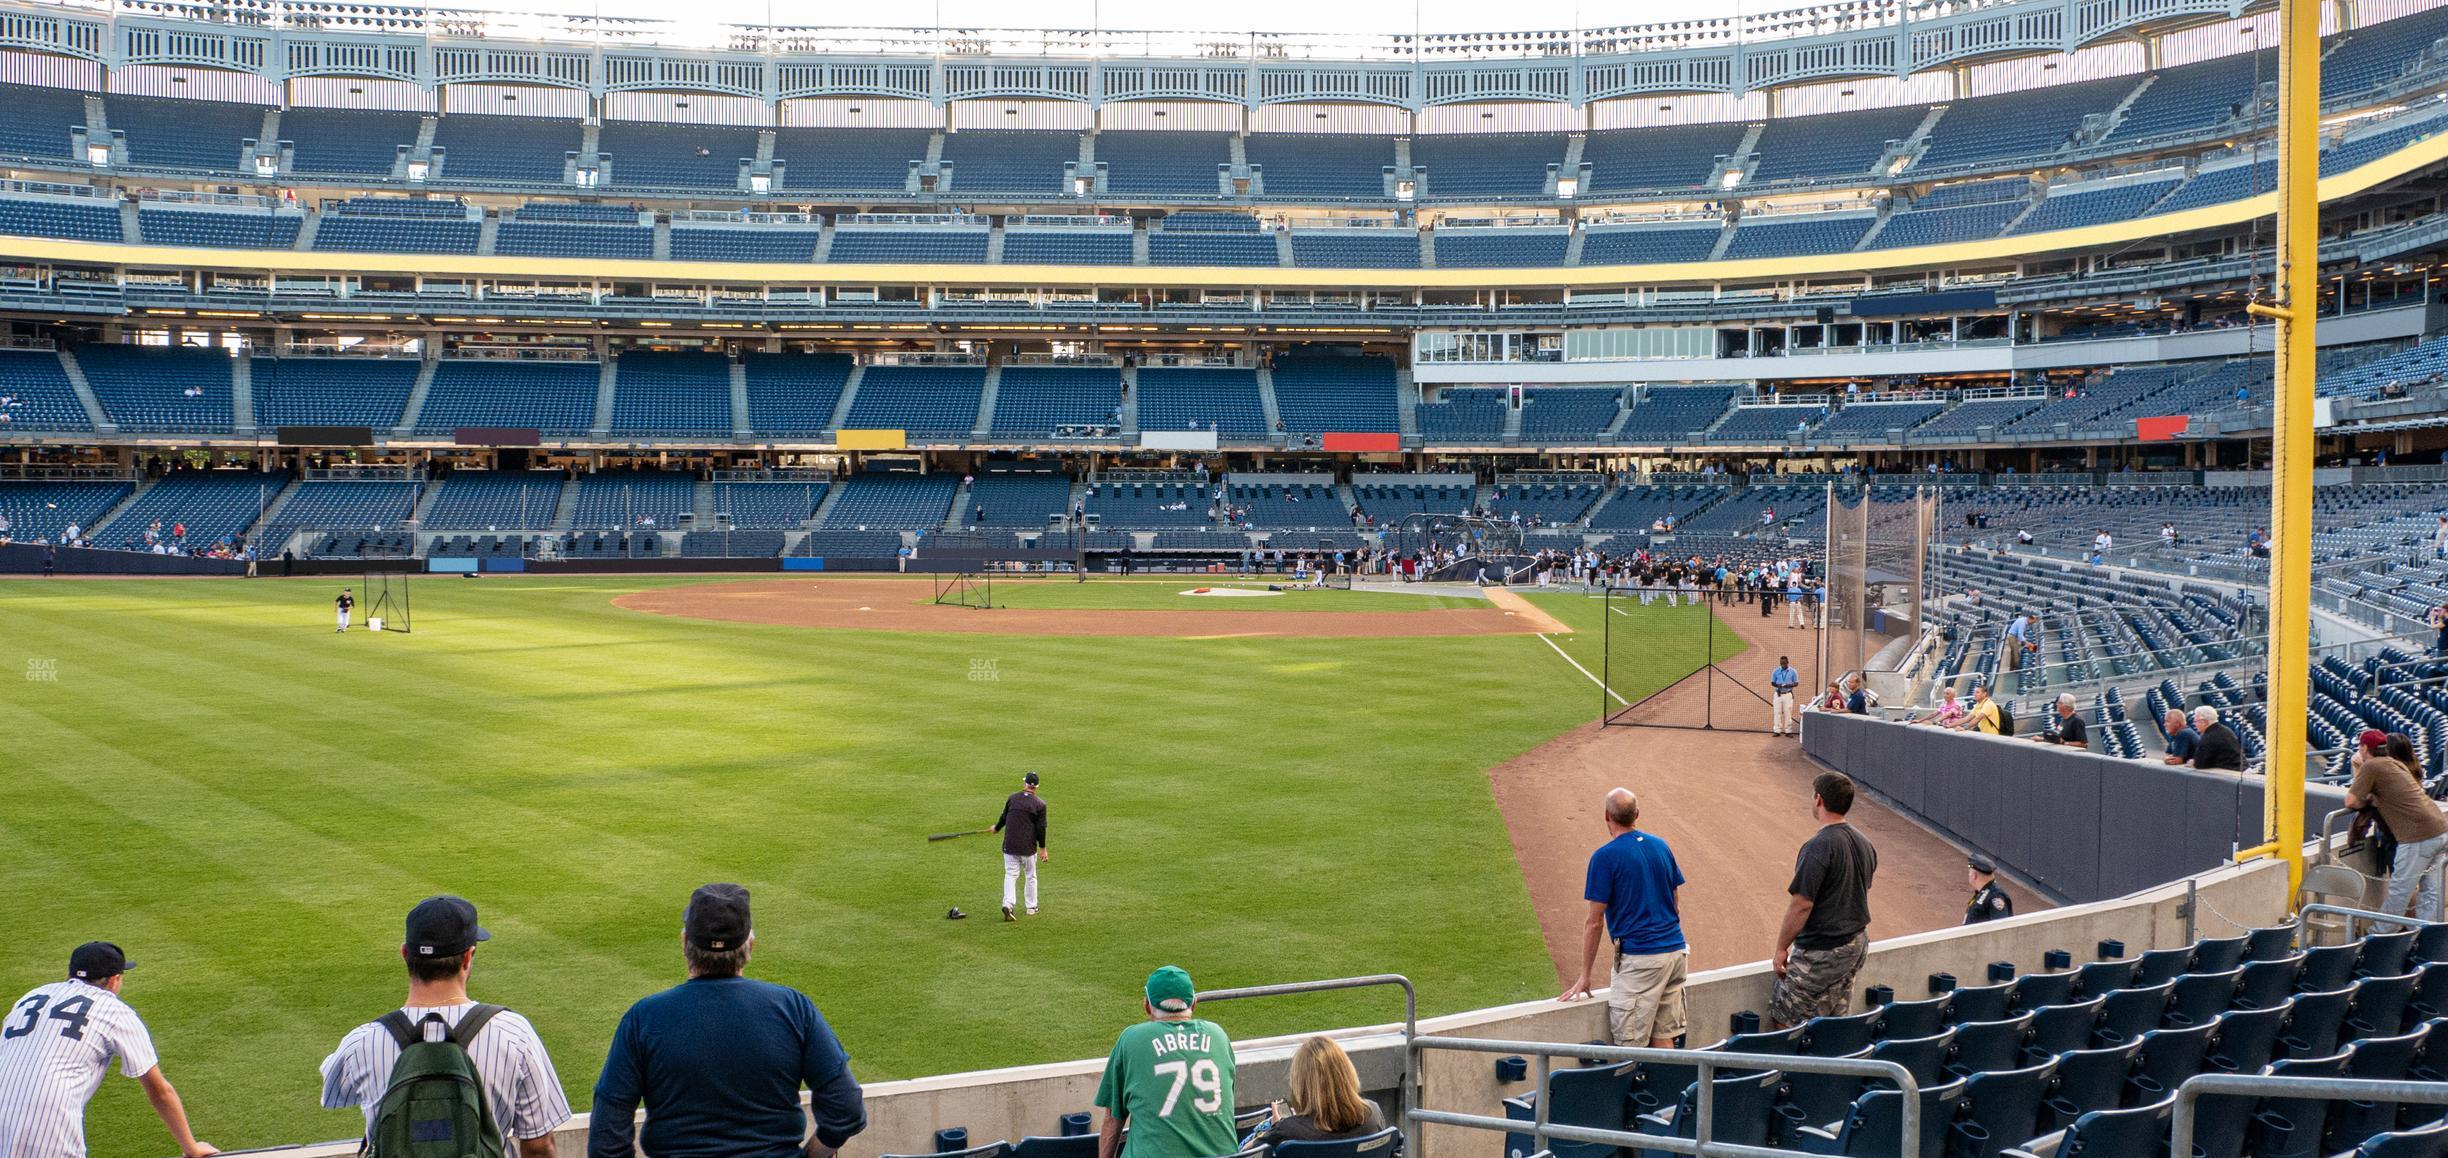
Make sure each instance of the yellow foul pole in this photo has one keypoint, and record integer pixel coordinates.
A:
(2298, 292)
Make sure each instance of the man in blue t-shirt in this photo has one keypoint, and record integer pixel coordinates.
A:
(1631, 891)
(718, 1060)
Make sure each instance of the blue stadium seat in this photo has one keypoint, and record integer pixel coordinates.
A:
(794, 394)
(1320, 166)
(168, 133)
(554, 398)
(38, 394)
(493, 150)
(332, 391)
(684, 157)
(849, 160)
(39, 121)
(218, 228)
(69, 218)
(1010, 160)
(347, 142)
(1033, 400)
(1163, 164)
(924, 401)
(160, 388)
(1486, 166)
(686, 393)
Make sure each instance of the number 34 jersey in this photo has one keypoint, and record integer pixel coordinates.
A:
(56, 1043)
(1173, 1083)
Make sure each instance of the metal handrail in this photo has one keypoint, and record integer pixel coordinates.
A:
(1708, 1062)
(1411, 1037)
(2189, 1095)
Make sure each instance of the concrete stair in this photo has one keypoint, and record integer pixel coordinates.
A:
(986, 401)
(1266, 399)
(487, 234)
(119, 508)
(841, 409)
(1406, 404)
(1512, 426)
(313, 225)
(131, 223)
(1427, 249)
(605, 387)
(960, 508)
(1129, 411)
(662, 239)
(425, 501)
(742, 423)
(565, 508)
(416, 399)
(824, 508)
(269, 515)
(242, 395)
(701, 504)
(101, 419)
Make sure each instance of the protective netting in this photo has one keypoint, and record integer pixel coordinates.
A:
(1879, 567)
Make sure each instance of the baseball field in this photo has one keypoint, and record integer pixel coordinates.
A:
(206, 773)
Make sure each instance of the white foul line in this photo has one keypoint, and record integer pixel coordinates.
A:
(1551, 644)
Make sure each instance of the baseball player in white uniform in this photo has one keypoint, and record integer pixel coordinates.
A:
(343, 605)
(518, 1075)
(56, 1045)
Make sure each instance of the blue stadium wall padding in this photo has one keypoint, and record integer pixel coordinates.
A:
(2082, 826)
(450, 565)
(27, 559)
(804, 563)
(512, 564)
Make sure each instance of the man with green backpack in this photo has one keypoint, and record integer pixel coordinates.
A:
(445, 1076)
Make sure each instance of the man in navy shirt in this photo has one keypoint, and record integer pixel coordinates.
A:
(718, 1060)
(1631, 891)
(2181, 738)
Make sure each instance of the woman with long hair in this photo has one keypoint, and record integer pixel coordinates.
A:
(1326, 1105)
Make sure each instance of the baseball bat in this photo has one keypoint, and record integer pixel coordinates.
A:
(950, 835)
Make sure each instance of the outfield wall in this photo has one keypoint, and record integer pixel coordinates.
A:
(1012, 1103)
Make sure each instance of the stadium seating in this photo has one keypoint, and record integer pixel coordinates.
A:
(1148, 505)
(39, 121)
(2215, 186)
(1637, 245)
(848, 159)
(1211, 239)
(1545, 504)
(339, 505)
(1387, 503)
(219, 228)
(367, 392)
(2194, 98)
(1794, 236)
(492, 150)
(484, 500)
(679, 394)
(898, 500)
(556, 399)
(1010, 160)
(1223, 400)
(924, 401)
(1768, 423)
(347, 142)
(688, 157)
(163, 133)
(524, 236)
(794, 394)
(617, 499)
(160, 388)
(1032, 400)
(1320, 166)
(1289, 506)
(1105, 246)
(1163, 164)
(768, 505)
(744, 243)
(396, 225)
(1871, 421)
(1486, 166)
(945, 244)
(1831, 145)
(1660, 157)
(70, 218)
(1485, 248)
(39, 510)
(1463, 414)
(1947, 224)
(2079, 206)
(1315, 395)
(1355, 248)
(2031, 123)
(214, 506)
(1568, 413)
(1673, 413)
(1020, 499)
(38, 394)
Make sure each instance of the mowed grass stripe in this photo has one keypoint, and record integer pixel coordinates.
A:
(258, 800)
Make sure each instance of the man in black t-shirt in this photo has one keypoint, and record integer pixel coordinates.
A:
(343, 605)
(2068, 727)
(1826, 932)
(1023, 825)
(2219, 747)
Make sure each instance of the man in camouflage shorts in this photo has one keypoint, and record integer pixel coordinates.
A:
(1826, 932)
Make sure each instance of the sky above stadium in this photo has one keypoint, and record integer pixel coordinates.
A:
(1331, 17)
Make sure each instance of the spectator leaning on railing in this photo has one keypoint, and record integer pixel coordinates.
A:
(1632, 891)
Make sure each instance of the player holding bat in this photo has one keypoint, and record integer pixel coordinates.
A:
(1023, 825)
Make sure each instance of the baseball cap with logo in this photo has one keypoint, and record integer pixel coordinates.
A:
(98, 961)
(717, 918)
(1169, 990)
(2373, 738)
(1031, 778)
(443, 926)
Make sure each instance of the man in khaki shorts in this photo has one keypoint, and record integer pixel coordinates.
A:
(1631, 891)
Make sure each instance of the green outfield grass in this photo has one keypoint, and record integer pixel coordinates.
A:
(205, 773)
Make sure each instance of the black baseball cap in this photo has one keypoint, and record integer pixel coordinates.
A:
(98, 961)
(443, 926)
(1031, 778)
(717, 918)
